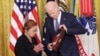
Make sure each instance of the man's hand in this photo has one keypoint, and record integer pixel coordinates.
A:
(63, 26)
(50, 46)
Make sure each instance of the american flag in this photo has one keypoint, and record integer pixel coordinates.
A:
(22, 11)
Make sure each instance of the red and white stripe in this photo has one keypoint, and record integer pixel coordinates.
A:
(17, 22)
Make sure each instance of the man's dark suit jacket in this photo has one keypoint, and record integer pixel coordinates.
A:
(24, 48)
(68, 45)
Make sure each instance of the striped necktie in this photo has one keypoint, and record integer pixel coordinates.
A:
(56, 25)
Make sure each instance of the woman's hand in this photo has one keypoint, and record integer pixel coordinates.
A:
(38, 48)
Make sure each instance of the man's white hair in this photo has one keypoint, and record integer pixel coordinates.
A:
(51, 4)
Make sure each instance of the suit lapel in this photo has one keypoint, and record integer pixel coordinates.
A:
(52, 25)
(62, 18)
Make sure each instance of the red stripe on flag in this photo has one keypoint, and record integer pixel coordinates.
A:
(13, 32)
(35, 14)
(37, 39)
(11, 47)
(17, 20)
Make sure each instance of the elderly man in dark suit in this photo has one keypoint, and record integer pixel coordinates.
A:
(68, 46)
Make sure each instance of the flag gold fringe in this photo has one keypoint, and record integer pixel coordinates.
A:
(76, 10)
(41, 12)
(11, 53)
(68, 3)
